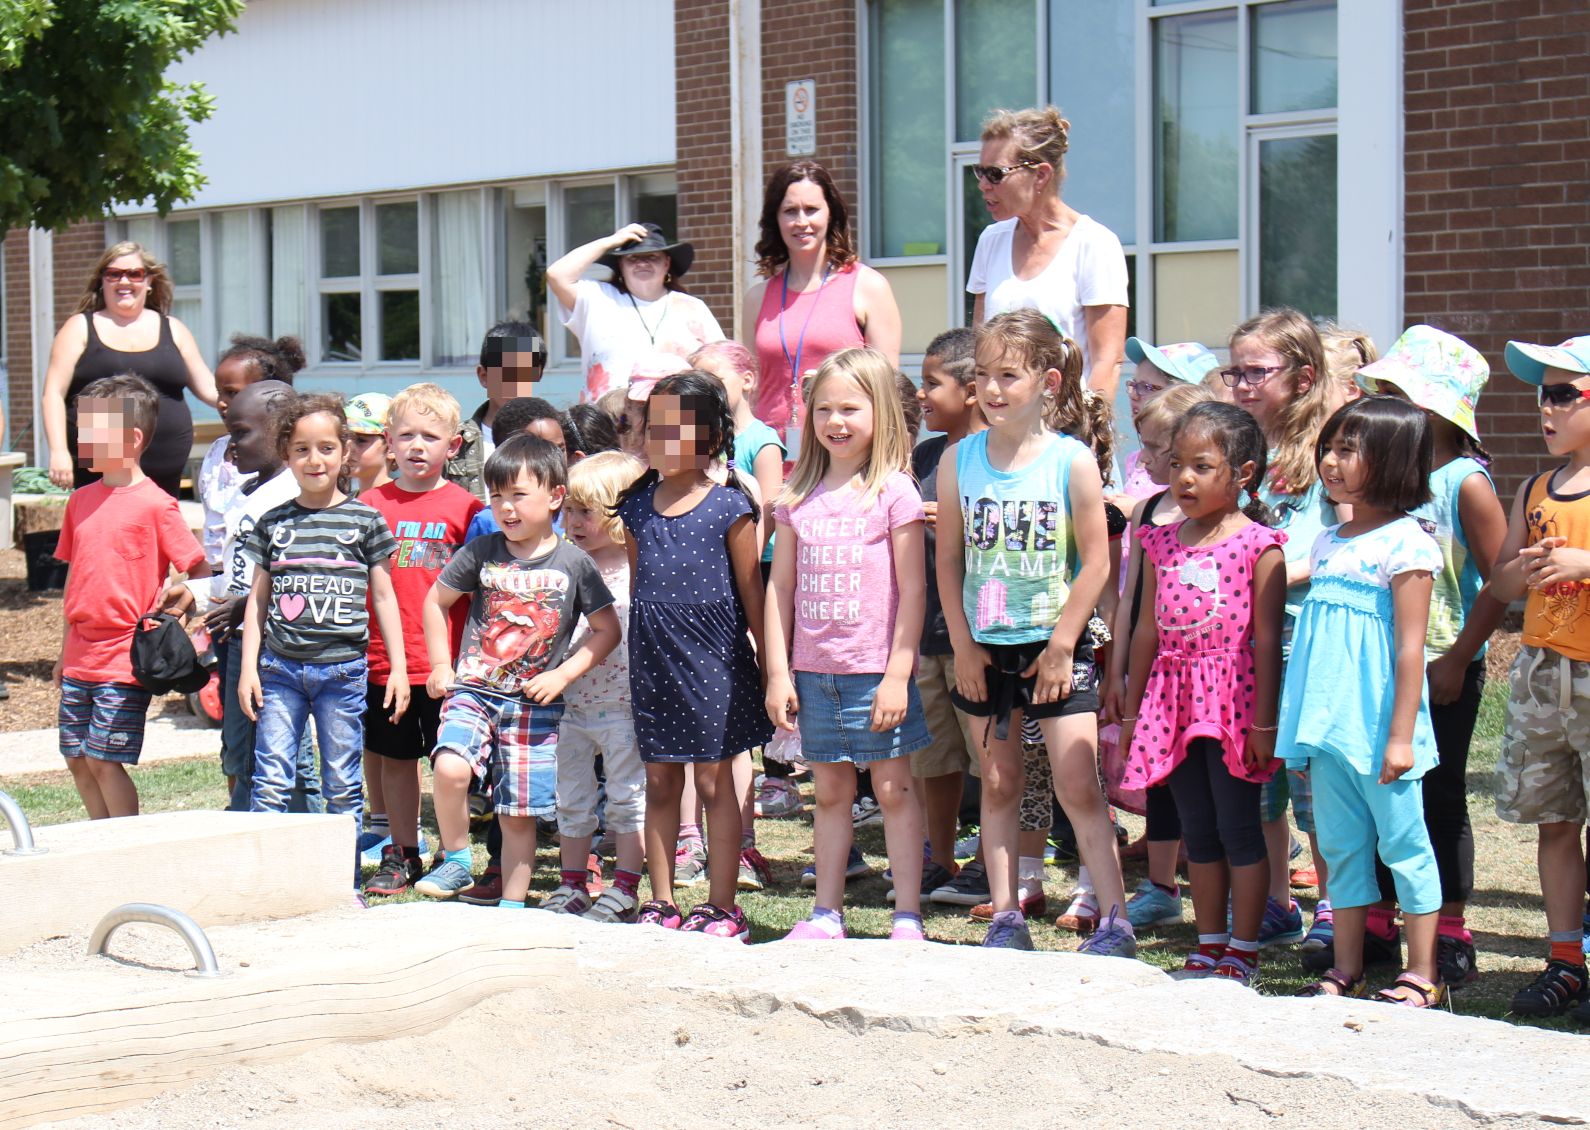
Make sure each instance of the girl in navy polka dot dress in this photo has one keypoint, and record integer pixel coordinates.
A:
(695, 607)
(1200, 708)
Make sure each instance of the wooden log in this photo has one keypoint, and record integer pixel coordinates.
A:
(99, 1036)
(217, 867)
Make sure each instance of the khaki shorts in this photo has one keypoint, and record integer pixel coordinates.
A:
(953, 750)
(1543, 774)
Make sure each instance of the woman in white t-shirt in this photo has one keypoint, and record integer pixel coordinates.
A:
(1040, 252)
(643, 311)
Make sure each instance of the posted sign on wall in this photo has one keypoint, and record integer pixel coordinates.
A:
(800, 118)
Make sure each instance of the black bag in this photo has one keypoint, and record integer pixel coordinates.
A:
(163, 658)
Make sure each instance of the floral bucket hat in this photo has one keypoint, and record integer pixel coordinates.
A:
(1436, 370)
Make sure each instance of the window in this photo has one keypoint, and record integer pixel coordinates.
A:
(341, 305)
(908, 127)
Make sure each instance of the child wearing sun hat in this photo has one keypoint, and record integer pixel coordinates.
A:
(1444, 375)
(1158, 368)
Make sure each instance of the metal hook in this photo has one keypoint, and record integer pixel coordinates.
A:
(198, 944)
(21, 831)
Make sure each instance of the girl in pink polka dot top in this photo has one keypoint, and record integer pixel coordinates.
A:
(1200, 709)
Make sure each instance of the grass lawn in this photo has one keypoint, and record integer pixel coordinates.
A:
(1506, 915)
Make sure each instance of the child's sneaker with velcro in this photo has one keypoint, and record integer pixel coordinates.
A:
(716, 922)
(658, 913)
(567, 900)
(1559, 987)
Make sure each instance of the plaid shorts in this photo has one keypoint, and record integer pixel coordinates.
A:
(516, 737)
(104, 721)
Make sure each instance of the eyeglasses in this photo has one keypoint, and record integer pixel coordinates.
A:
(131, 274)
(996, 174)
(1253, 376)
(1561, 395)
(1143, 388)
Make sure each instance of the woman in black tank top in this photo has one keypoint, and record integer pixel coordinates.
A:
(116, 297)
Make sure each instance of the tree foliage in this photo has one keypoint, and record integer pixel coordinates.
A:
(88, 119)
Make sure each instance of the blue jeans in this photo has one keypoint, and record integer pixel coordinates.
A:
(237, 743)
(293, 690)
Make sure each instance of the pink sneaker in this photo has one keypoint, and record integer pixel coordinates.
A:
(717, 922)
(907, 931)
(808, 931)
(656, 913)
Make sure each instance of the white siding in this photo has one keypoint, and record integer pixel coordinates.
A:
(321, 98)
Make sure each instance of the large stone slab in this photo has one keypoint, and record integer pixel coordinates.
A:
(216, 867)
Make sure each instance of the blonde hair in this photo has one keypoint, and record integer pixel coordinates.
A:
(595, 483)
(1030, 339)
(871, 372)
(1346, 351)
(427, 400)
(1039, 134)
(1166, 407)
(1291, 334)
(159, 296)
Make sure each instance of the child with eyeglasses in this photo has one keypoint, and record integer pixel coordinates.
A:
(1277, 374)
(1543, 775)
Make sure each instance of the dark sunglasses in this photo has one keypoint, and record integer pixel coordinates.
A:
(1561, 395)
(996, 174)
(131, 274)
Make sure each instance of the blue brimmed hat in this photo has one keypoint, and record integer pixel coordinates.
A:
(1530, 362)
(1180, 361)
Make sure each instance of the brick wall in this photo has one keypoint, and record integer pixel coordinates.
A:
(77, 249)
(703, 159)
(1497, 160)
(19, 342)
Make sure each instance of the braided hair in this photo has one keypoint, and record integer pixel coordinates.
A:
(694, 385)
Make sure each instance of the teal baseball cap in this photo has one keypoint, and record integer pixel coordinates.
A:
(1181, 361)
(1530, 362)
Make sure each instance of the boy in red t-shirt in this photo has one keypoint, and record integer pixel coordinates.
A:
(429, 517)
(122, 535)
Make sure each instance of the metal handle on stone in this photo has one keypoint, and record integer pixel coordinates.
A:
(21, 831)
(192, 934)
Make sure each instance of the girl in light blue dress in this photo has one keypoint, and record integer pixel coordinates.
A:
(1354, 710)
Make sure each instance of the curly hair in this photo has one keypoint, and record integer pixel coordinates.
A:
(771, 253)
(275, 360)
(309, 404)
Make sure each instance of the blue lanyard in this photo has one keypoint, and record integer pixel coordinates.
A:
(794, 362)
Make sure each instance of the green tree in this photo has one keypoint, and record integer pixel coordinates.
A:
(88, 119)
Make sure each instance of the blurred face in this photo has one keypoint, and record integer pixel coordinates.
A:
(106, 438)
(1268, 383)
(645, 274)
(1342, 470)
(1019, 191)
(803, 217)
(1565, 427)
(1155, 458)
(524, 510)
(679, 433)
(736, 385)
(368, 454)
(946, 403)
(422, 444)
(252, 436)
(841, 418)
(587, 527)
(232, 376)
(1204, 483)
(125, 285)
(315, 454)
(511, 369)
(1009, 393)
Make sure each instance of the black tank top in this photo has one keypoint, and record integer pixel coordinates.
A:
(163, 366)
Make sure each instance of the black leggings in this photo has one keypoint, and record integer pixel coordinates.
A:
(1164, 823)
(1445, 789)
(1219, 813)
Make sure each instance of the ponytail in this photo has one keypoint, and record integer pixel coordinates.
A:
(1255, 508)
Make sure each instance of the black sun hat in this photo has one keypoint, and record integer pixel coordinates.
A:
(163, 658)
(680, 255)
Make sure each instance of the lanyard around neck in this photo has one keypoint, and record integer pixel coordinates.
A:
(794, 362)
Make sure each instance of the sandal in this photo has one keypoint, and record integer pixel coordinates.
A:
(1412, 991)
(1334, 983)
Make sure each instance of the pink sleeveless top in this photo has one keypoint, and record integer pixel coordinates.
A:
(828, 317)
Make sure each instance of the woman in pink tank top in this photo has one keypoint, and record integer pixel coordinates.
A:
(815, 298)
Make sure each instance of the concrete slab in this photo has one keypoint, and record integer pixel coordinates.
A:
(173, 733)
(216, 867)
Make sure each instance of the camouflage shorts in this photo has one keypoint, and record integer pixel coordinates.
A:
(1543, 774)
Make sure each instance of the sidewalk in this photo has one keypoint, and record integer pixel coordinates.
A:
(172, 734)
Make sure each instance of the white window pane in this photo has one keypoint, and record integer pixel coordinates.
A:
(907, 71)
(589, 209)
(339, 242)
(1297, 224)
(459, 260)
(397, 229)
(1294, 56)
(289, 270)
(188, 311)
(996, 60)
(234, 288)
(145, 232)
(1196, 296)
(182, 252)
(1195, 144)
(1096, 92)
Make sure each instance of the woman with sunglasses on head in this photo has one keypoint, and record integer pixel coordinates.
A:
(641, 311)
(1041, 252)
(815, 297)
(125, 326)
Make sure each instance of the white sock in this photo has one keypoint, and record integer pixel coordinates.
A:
(1029, 872)
(378, 823)
(1084, 881)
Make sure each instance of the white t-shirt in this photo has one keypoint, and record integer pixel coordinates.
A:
(617, 331)
(236, 573)
(1088, 270)
(218, 486)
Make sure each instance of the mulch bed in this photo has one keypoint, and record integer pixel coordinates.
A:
(30, 643)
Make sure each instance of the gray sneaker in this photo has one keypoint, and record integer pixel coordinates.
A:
(566, 900)
(969, 888)
(1008, 936)
(1113, 938)
(690, 863)
(613, 905)
(446, 881)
